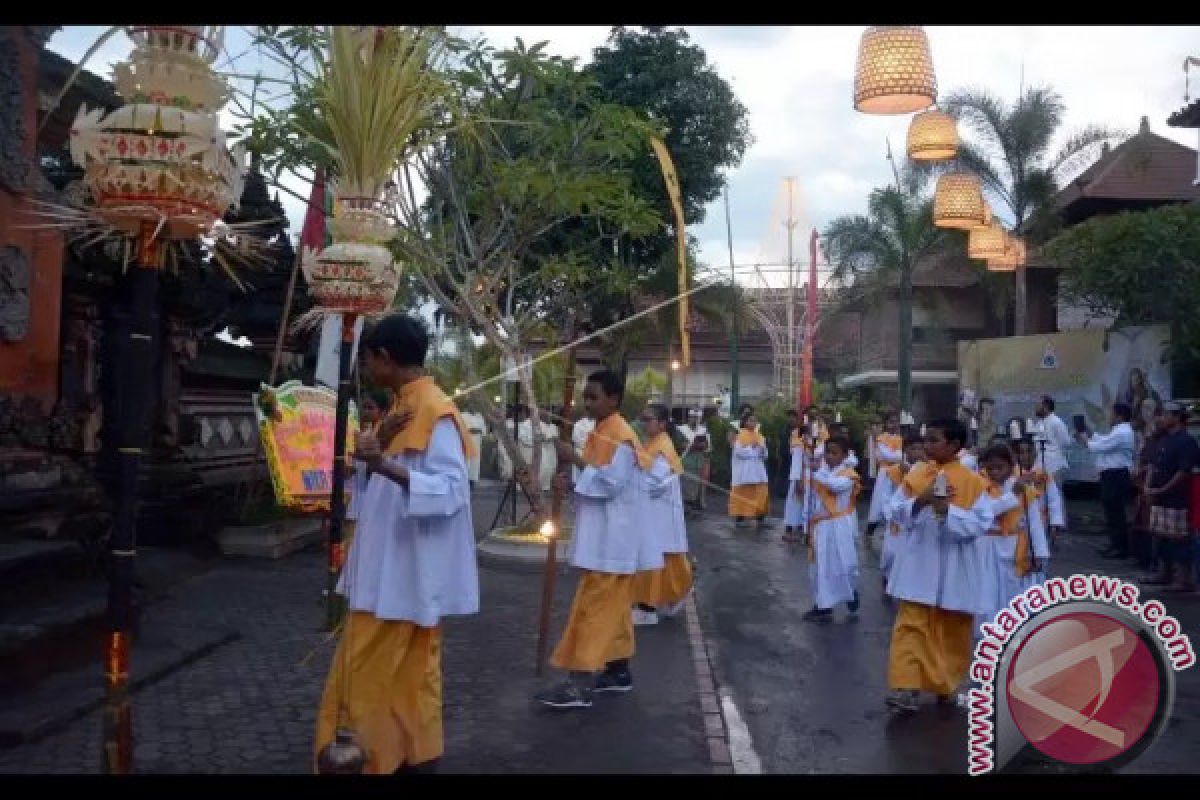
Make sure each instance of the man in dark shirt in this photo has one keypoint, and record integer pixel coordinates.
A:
(1168, 488)
(1143, 542)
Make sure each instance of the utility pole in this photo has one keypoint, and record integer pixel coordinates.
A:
(733, 340)
(792, 350)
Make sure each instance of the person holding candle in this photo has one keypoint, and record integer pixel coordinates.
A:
(833, 528)
(1017, 535)
(886, 486)
(943, 571)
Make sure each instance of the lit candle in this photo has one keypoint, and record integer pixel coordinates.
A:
(813, 429)
(1014, 429)
(838, 418)
(922, 428)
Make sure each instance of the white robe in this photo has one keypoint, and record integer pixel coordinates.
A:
(881, 499)
(549, 461)
(660, 515)
(607, 536)
(1008, 583)
(413, 557)
(968, 460)
(579, 435)
(477, 426)
(807, 503)
(947, 564)
(886, 455)
(749, 464)
(793, 506)
(834, 574)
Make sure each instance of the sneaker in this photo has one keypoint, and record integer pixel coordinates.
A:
(608, 681)
(853, 604)
(902, 700)
(818, 615)
(565, 695)
(644, 617)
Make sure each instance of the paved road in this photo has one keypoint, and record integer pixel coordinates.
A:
(250, 706)
(812, 695)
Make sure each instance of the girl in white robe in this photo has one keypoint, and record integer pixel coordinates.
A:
(1017, 533)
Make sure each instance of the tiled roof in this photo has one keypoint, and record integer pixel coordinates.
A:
(1145, 167)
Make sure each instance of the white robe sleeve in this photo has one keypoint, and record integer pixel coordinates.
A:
(887, 455)
(880, 495)
(838, 484)
(899, 510)
(748, 452)
(1005, 502)
(851, 461)
(659, 478)
(610, 480)
(798, 466)
(964, 524)
(441, 487)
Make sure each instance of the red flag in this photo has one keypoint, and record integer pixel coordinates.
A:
(312, 235)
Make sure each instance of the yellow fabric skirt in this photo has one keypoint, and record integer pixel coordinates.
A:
(749, 500)
(600, 626)
(394, 702)
(931, 648)
(664, 586)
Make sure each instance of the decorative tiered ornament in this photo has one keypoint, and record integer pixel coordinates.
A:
(158, 167)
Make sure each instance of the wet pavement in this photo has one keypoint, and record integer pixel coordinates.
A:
(812, 694)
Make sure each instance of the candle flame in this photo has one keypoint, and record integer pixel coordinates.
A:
(547, 529)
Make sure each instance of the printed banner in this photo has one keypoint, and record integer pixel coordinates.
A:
(1085, 371)
(296, 423)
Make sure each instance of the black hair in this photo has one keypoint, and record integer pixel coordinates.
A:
(1123, 411)
(999, 451)
(745, 418)
(610, 382)
(890, 415)
(404, 338)
(913, 438)
(661, 412)
(840, 441)
(952, 429)
(987, 400)
(1048, 401)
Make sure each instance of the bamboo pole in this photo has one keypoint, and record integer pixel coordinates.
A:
(337, 504)
(556, 505)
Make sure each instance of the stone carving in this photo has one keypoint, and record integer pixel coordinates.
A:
(14, 294)
(15, 168)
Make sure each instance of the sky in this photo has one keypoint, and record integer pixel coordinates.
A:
(797, 82)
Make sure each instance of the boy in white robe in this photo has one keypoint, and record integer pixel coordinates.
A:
(606, 546)
(1016, 534)
(943, 570)
(887, 450)
(887, 483)
(412, 562)
(1047, 496)
(832, 551)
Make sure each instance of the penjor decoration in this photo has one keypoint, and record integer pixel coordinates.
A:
(160, 177)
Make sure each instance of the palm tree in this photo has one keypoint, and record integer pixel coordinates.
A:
(880, 250)
(1011, 153)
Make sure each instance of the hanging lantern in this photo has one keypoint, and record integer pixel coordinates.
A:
(1012, 257)
(958, 201)
(160, 159)
(986, 241)
(932, 136)
(894, 73)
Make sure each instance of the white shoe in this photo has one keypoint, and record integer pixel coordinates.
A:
(644, 617)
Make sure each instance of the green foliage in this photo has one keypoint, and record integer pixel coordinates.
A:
(722, 453)
(1144, 266)
(639, 389)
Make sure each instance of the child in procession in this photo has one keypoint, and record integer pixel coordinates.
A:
(886, 485)
(1017, 534)
(661, 591)
(833, 529)
(749, 497)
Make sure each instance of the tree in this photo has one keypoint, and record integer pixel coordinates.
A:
(660, 73)
(880, 250)
(1142, 266)
(1011, 153)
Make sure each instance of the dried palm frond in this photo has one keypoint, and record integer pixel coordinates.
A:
(374, 95)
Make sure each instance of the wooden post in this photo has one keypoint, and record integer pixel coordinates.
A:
(556, 505)
(337, 501)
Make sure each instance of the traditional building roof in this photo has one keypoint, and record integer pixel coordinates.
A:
(1145, 171)
(1186, 117)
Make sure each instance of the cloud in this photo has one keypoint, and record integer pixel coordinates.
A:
(796, 83)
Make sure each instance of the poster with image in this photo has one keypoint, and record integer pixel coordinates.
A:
(1085, 371)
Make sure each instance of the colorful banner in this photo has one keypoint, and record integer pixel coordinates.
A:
(296, 424)
(1085, 371)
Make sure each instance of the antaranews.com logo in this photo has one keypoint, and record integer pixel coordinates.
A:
(1078, 669)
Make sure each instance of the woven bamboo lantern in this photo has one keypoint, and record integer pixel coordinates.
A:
(1012, 257)
(932, 136)
(958, 201)
(986, 241)
(894, 73)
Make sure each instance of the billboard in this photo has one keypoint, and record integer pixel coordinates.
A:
(1085, 371)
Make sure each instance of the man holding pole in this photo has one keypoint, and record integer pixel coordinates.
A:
(598, 641)
(412, 562)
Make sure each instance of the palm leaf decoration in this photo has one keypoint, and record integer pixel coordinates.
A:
(375, 96)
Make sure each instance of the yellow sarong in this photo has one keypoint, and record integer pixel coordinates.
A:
(749, 500)
(394, 701)
(931, 648)
(600, 626)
